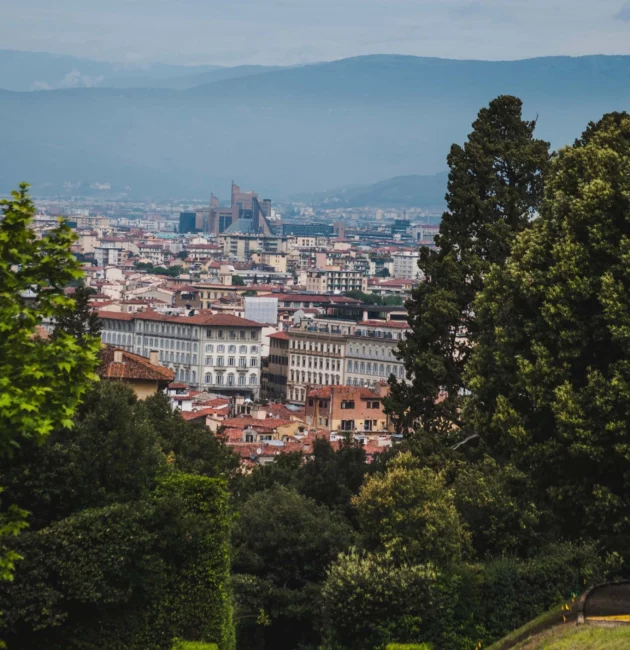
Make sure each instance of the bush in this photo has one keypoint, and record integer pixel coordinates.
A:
(406, 646)
(194, 645)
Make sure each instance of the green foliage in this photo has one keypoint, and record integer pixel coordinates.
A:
(496, 504)
(407, 646)
(41, 381)
(283, 543)
(495, 186)
(193, 645)
(370, 600)
(125, 552)
(80, 320)
(237, 281)
(550, 375)
(374, 299)
(409, 513)
(171, 271)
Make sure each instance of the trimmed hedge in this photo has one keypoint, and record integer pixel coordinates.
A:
(195, 645)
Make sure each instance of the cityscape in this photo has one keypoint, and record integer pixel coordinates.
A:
(315, 325)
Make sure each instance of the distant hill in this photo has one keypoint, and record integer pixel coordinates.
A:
(398, 192)
(346, 123)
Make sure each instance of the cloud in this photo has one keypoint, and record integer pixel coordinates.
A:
(72, 79)
(623, 13)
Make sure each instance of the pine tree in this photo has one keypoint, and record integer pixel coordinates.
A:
(495, 186)
(79, 320)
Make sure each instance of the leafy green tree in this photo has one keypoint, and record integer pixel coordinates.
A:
(41, 381)
(370, 600)
(495, 187)
(283, 544)
(80, 320)
(410, 513)
(238, 281)
(550, 375)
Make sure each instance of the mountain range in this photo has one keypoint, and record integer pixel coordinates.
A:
(283, 131)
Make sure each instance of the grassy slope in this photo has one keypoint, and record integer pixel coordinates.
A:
(570, 637)
(548, 632)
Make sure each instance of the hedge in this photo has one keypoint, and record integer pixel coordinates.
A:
(195, 645)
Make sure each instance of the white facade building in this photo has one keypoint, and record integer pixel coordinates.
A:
(406, 265)
(216, 352)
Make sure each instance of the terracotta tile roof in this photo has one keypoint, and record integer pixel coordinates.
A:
(358, 392)
(177, 384)
(280, 336)
(133, 366)
(207, 319)
(198, 415)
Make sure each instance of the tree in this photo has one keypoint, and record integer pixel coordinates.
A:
(494, 189)
(370, 600)
(383, 273)
(238, 281)
(283, 544)
(550, 376)
(79, 321)
(41, 381)
(409, 513)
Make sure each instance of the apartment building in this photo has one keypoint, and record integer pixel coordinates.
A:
(406, 264)
(152, 252)
(274, 382)
(335, 280)
(370, 353)
(346, 408)
(215, 352)
(316, 353)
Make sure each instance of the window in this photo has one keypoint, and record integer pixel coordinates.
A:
(242, 362)
(347, 404)
(220, 334)
(368, 424)
(373, 405)
(347, 425)
(209, 361)
(242, 349)
(230, 380)
(220, 361)
(252, 379)
(219, 380)
(242, 335)
(253, 362)
(254, 349)
(241, 380)
(208, 378)
(231, 361)
(310, 402)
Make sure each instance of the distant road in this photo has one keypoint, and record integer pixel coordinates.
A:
(608, 603)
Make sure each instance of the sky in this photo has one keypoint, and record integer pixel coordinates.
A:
(284, 32)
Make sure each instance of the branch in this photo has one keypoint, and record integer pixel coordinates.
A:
(463, 442)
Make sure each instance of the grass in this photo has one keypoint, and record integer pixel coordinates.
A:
(195, 645)
(545, 621)
(571, 637)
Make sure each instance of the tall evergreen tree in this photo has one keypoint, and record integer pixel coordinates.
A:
(495, 187)
(550, 375)
(79, 319)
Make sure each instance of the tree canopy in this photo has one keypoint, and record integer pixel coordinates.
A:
(495, 187)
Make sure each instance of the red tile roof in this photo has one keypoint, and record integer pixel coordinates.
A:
(133, 366)
(281, 336)
(359, 392)
(207, 319)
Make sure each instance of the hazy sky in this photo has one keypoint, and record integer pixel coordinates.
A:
(293, 31)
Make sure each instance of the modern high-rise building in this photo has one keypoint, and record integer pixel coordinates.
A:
(246, 214)
(187, 222)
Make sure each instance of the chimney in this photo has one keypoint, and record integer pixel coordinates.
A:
(154, 357)
(118, 356)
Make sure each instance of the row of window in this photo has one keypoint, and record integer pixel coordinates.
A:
(231, 361)
(221, 379)
(315, 378)
(371, 353)
(280, 360)
(316, 346)
(166, 344)
(231, 349)
(350, 404)
(377, 369)
(310, 362)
